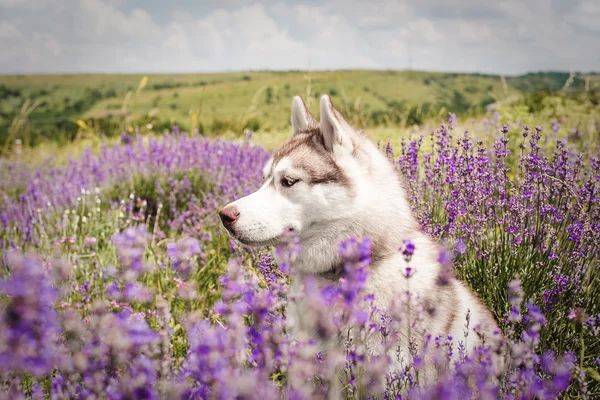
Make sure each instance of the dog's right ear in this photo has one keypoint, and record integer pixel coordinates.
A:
(336, 131)
(302, 119)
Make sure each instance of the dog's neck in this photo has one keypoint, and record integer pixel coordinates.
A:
(319, 256)
(336, 271)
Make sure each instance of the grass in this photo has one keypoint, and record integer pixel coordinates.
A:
(260, 101)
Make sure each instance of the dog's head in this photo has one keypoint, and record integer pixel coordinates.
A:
(310, 183)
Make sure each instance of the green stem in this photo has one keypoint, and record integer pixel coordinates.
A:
(582, 351)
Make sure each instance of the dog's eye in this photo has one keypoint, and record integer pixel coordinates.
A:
(288, 182)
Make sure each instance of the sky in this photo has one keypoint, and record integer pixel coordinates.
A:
(154, 36)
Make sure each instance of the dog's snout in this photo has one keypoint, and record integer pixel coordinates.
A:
(229, 215)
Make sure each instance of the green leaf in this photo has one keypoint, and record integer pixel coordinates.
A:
(593, 373)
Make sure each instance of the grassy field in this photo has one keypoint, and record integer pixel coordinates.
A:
(117, 278)
(131, 286)
(47, 107)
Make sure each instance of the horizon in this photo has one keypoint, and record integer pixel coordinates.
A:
(167, 73)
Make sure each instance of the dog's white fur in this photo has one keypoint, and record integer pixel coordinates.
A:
(367, 200)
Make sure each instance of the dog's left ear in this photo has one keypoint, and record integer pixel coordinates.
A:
(302, 119)
(336, 131)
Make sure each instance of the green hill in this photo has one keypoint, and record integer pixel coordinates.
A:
(48, 106)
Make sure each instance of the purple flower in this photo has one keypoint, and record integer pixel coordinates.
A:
(30, 330)
(356, 257)
(461, 247)
(408, 249)
(90, 242)
(552, 296)
(133, 291)
(112, 290)
(288, 250)
(130, 248)
(183, 255)
(452, 120)
(126, 138)
(572, 315)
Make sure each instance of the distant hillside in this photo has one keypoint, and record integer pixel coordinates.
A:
(254, 100)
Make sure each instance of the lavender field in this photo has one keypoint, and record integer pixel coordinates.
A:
(117, 280)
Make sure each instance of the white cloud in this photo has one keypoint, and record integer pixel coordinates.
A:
(426, 29)
(508, 36)
(372, 14)
(472, 32)
(9, 31)
(240, 39)
(586, 14)
(25, 4)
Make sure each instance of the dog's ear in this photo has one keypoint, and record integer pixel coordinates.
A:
(336, 131)
(302, 119)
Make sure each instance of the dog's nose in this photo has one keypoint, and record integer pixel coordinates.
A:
(229, 215)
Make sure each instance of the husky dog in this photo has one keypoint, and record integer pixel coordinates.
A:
(329, 182)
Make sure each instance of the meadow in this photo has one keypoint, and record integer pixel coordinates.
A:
(118, 281)
(62, 108)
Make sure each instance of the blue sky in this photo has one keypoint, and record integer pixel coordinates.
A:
(501, 36)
